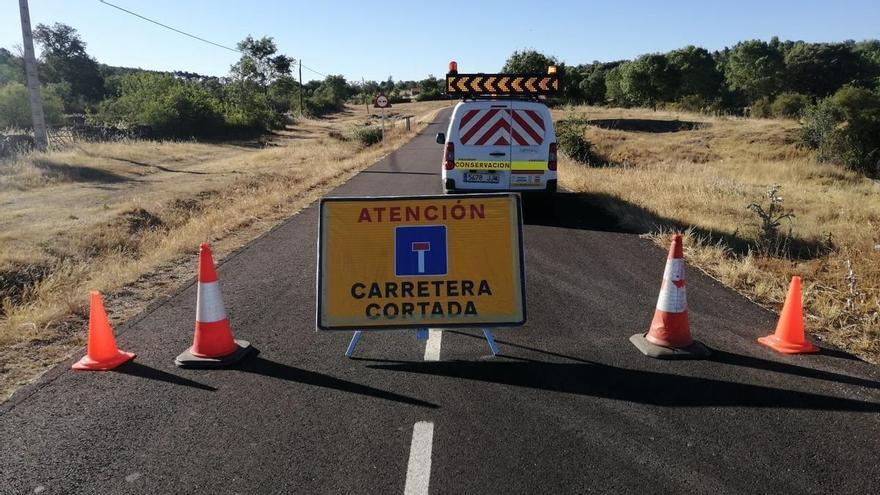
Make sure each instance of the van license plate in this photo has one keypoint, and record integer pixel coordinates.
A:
(484, 178)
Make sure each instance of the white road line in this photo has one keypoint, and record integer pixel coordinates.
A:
(432, 346)
(418, 471)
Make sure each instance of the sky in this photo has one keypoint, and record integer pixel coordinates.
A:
(409, 40)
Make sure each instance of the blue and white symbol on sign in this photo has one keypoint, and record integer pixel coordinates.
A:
(420, 250)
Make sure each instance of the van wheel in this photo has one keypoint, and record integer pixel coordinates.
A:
(449, 186)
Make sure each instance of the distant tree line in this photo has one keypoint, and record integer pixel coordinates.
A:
(833, 88)
(256, 94)
(749, 76)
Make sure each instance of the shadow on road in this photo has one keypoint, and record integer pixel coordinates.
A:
(571, 211)
(791, 369)
(139, 370)
(518, 346)
(260, 366)
(645, 387)
(606, 213)
(399, 172)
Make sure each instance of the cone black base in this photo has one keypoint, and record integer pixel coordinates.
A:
(694, 351)
(186, 359)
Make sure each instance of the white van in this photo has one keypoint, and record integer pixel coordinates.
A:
(499, 145)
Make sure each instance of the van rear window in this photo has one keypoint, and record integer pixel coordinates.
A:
(501, 127)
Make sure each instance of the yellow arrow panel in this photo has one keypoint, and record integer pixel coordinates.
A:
(475, 84)
(462, 84)
(517, 84)
(530, 84)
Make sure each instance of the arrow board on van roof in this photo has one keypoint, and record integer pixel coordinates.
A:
(502, 84)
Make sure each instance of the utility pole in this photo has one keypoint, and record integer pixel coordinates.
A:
(364, 87)
(41, 138)
(302, 111)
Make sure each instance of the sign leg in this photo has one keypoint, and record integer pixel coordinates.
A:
(491, 340)
(422, 333)
(354, 342)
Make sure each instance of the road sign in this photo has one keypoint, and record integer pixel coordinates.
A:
(420, 261)
(502, 84)
(381, 101)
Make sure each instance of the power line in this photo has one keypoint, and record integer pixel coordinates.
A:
(194, 36)
(313, 70)
(171, 28)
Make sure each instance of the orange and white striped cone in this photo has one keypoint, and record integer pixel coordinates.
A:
(213, 345)
(669, 336)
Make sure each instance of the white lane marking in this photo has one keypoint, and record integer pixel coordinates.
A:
(418, 471)
(432, 346)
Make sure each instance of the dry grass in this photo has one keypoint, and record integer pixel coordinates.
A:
(126, 218)
(705, 178)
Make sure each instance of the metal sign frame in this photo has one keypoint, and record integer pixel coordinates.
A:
(421, 324)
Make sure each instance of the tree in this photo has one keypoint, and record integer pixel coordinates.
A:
(15, 106)
(11, 67)
(64, 60)
(869, 51)
(648, 80)
(334, 88)
(259, 63)
(613, 88)
(699, 75)
(755, 68)
(820, 69)
(431, 85)
(528, 62)
(172, 108)
(593, 86)
(845, 128)
(570, 89)
(247, 96)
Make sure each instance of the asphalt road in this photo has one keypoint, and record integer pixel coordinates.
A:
(573, 407)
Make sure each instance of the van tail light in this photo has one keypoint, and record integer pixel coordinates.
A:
(551, 160)
(449, 156)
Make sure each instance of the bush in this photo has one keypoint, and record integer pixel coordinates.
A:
(15, 106)
(368, 135)
(762, 108)
(320, 105)
(172, 108)
(571, 141)
(845, 128)
(819, 122)
(691, 103)
(790, 105)
(429, 95)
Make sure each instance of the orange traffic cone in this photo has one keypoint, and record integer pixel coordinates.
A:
(669, 336)
(789, 336)
(101, 354)
(213, 345)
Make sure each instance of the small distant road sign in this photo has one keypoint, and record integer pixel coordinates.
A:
(420, 261)
(381, 101)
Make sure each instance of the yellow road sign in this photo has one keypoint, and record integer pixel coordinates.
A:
(420, 261)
